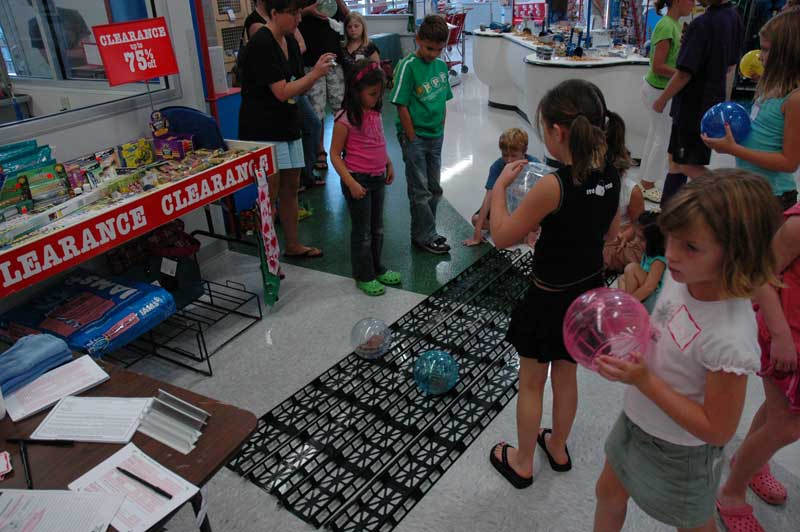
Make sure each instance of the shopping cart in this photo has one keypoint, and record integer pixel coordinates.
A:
(455, 43)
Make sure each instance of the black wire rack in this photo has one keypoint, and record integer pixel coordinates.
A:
(191, 336)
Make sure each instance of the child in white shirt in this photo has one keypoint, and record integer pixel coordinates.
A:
(686, 396)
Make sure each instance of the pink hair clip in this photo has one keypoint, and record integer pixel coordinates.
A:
(363, 72)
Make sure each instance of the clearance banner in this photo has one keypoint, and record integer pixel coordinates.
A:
(135, 51)
(29, 263)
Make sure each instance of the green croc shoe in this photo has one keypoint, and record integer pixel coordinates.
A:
(390, 278)
(371, 288)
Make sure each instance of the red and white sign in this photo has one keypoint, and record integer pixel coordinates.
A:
(24, 265)
(530, 11)
(135, 51)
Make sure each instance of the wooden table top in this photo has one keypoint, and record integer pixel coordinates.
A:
(55, 467)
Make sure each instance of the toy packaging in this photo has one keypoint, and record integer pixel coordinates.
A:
(92, 313)
(175, 146)
(136, 153)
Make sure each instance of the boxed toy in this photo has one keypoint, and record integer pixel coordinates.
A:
(174, 146)
(136, 153)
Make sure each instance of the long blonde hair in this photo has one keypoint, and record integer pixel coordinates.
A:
(742, 214)
(357, 17)
(782, 71)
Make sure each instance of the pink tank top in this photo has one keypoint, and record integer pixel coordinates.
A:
(790, 292)
(365, 149)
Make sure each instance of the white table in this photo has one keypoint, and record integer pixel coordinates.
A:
(517, 80)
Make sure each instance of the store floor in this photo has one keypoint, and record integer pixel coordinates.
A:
(308, 330)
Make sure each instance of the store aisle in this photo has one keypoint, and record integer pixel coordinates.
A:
(308, 331)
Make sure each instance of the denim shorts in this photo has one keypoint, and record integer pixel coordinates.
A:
(290, 154)
(671, 483)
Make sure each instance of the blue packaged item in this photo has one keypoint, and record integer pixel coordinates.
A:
(30, 358)
(39, 156)
(92, 313)
(12, 151)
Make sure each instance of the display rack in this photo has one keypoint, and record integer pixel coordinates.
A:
(186, 338)
(24, 264)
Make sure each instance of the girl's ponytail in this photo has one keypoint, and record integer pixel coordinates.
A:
(618, 154)
(587, 145)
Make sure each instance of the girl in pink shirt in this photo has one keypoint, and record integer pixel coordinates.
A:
(358, 153)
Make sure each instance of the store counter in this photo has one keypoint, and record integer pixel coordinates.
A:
(518, 80)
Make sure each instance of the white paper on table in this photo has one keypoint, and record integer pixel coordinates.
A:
(56, 510)
(143, 507)
(93, 419)
(69, 379)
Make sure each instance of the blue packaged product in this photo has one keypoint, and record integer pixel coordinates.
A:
(39, 156)
(18, 149)
(92, 313)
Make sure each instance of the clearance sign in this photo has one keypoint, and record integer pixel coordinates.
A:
(135, 51)
(27, 264)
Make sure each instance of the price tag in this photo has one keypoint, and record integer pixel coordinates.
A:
(135, 51)
(231, 15)
(169, 266)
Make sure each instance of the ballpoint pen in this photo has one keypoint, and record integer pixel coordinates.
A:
(143, 482)
(23, 453)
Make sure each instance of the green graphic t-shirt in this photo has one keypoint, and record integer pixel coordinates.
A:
(424, 89)
(667, 28)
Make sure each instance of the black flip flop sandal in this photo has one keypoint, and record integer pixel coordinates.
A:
(505, 469)
(555, 466)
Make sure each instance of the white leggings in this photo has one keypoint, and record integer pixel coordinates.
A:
(654, 155)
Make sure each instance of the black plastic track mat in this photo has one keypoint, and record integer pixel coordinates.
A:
(359, 446)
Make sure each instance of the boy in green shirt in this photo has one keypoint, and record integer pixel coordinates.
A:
(421, 90)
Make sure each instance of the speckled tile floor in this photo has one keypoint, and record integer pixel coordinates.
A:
(308, 330)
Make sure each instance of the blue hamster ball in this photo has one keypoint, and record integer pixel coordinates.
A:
(435, 372)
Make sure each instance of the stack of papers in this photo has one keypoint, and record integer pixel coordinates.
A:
(143, 506)
(93, 419)
(69, 379)
(56, 511)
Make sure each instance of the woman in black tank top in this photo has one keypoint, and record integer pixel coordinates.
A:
(575, 207)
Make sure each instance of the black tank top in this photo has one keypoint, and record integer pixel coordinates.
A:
(570, 249)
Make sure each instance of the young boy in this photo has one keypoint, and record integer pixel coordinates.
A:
(513, 147)
(421, 91)
(710, 50)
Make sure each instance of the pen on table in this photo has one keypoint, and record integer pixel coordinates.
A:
(56, 443)
(142, 481)
(23, 454)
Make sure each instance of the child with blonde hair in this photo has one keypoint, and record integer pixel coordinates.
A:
(773, 147)
(513, 145)
(682, 405)
(357, 45)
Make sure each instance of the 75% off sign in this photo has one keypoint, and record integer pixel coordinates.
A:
(135, 51)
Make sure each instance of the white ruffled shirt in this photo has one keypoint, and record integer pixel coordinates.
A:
(691, 338)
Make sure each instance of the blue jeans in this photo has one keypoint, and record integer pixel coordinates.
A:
(310, 128)
(366, 233)
(423, 160)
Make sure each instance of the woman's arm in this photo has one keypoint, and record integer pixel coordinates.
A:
(714, 421)
(650, 283)
(301, 42)
(660, 54)
(786, 160)
(284, 90)
(541, 200)
(343, 9)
